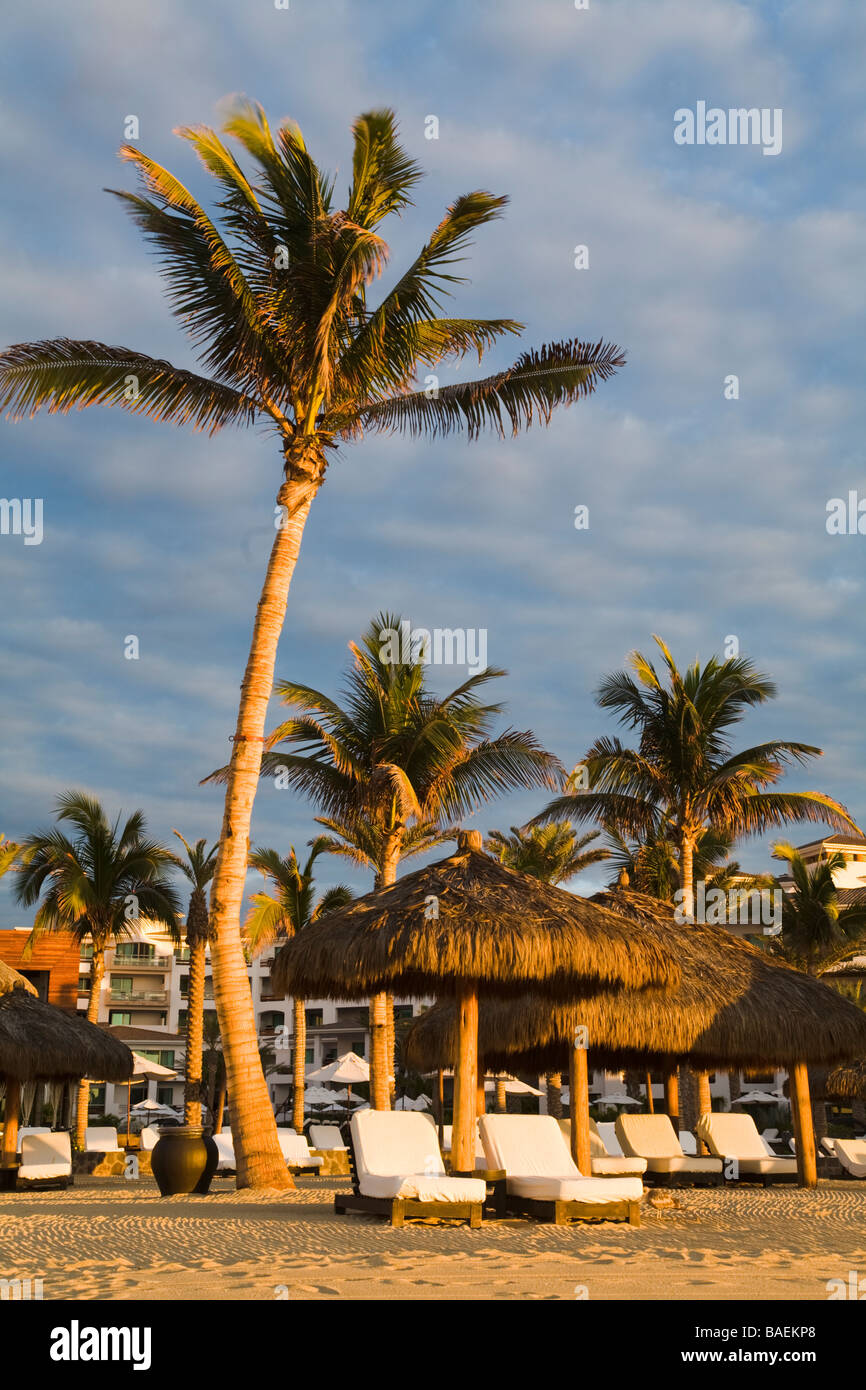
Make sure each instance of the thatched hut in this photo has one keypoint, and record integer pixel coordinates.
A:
(847, 1082)
(465, 926)
(734, 1006)
(39, 1042)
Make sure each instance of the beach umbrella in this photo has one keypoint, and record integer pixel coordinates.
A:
(144, 1069)
(39, 1042)
(350, 1069)
(514, 1087)
(734, 1006)
(467, 926)
(760, 1098)
(616, 1100)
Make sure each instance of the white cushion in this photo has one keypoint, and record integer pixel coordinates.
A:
(296, 1150)
(31, 1129)
(648, 1136)
(543, 1189)
(688, 1142)
(852, 1155)
(45, 1156)
(327, 1137)
(527, 1146)
(780, 1167)
(149, 1137)
(101, 1141)
(620, 1166)
(684, 1164)
(731, 1136)
(397, 1155)
(226, 1149)
(606, 1130)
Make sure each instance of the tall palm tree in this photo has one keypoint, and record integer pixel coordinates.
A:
(392, 754)
(10, 855)
(651, 864)
(95, 886)
(198, 867)
(816, 931)
(684, 777)
(287, 907)
(273, 292)
(554, 853)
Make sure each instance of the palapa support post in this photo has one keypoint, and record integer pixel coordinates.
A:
(672, 1098)
(801, 1109)
(440, 1106)
(465, 1080)
(578, 1082)
(9, 1151)
(480, 1096)
(649, 1093)
(705, 1104)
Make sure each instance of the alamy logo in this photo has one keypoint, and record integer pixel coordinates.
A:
(444, 646)
(736, 126)
(77, 1343)
(20, 1290)
(854, 1289)
(22, 516)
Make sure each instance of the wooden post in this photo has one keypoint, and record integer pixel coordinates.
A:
(672, 1098)
(578, 1082)
(9, 1151)
(705, 1105)
(501, 1096)
(465, 1074)
(440, 1105)
(480, 1097)
(807, 1164)
(649, 1093)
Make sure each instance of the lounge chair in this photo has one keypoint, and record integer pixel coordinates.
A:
(33, 1129)
(327, 1138)
(543, 1180)
(46, 1158)
(226, 1150)
(653, 1137)
(607, 1133)
(296, 1150)
(770, 1137)
(148, 1137)
(604, 1164)
(688, 1143)
(397, 1171)
(851, 1153)
(736, 1137)
(101, 1141)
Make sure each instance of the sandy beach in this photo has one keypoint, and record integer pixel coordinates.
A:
(108, 1239)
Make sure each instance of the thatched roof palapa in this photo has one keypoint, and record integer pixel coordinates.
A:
(41, 1042)
(733, 1007)
(847, 1082)
(468, 918)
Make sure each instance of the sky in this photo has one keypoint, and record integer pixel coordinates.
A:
(707, 514)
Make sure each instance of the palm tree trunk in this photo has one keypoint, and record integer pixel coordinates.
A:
(219, 1107)
(260, 1162)
(687, 877)
(97, 971)
(299, 1064)
(194, 1032)
(501, 1096)
(391, 1044)
(381, 1036)
(554, 1094)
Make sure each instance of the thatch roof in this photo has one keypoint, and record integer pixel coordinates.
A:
(39, 1041)
(501, 929)
(733, 1007)
(848, 1082)
(10, 979)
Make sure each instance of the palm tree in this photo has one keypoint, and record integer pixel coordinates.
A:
(684, 778)
(651, 865)
(275, 302)
(10, 855)
(553, 853)
(95, 886)
(392, 754)
(816, 932)
(279, 914)
(198, 867)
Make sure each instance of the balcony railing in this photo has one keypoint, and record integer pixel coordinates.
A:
(139, 996)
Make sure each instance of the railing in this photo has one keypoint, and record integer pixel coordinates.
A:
(139, 996)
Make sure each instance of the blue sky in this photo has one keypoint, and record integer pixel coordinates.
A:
(707, 516)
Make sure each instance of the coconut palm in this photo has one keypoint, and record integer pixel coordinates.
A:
(401, 760)
(198, 867)
(273, 292)
(816, 932)
(554, 853)
(287, 907)
(684, 777)
(651, 865)
(95, 886)
(10, 855)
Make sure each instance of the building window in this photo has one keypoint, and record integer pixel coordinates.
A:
(329, 1051)
(97, 1099)
(271, 1020)
(308, 1057)
(116, 1018)
(314, 1017)
(165, 1056)
(402, 1010)
(181, 955)
(138, 951)
(121, 984)
(83, 984)
(357, 1046)
(181, 1019)
(165, 1095)
(86, 952)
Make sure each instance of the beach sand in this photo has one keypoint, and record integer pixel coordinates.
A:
(110, 1239)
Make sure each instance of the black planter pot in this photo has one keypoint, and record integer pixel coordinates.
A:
(183, 1159)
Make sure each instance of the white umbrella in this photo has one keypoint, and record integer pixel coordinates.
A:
(350, 1068)
(153, 1105)
(760, 1098)
(617, 1100)
(317, 1095)
(407, 1103)
(515, 1087)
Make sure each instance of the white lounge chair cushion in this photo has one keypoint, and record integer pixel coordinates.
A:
(732, 1136)
(327, 1138)
(688, 1143)
(45, 1156)
(397, 1155)
(653, 1137)
(685, 1164)
(101, 1140)
(226, 1148)
(149, 1138)
(538, 1164)
(579, 1189)
(296, 1150)
(31, 1129)
(612, 1166)
(606, 1131)
(852, 1155)
(781, 1167)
